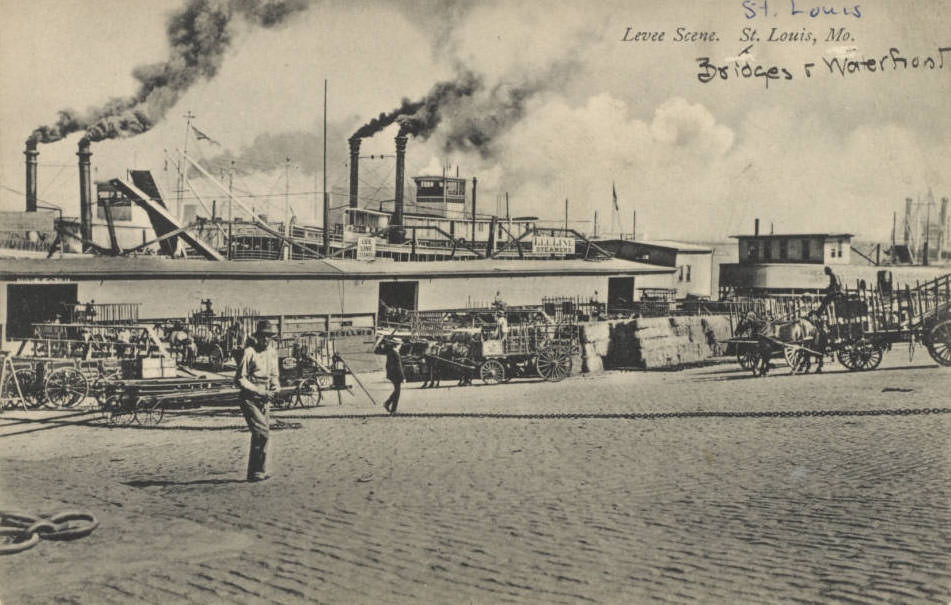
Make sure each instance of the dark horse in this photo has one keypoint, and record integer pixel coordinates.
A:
(801, 339)
(444, 359)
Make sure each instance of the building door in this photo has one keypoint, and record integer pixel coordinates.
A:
(397, 295)
(28, 304)
(620, 293)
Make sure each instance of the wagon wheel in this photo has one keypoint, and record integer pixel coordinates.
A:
(939, 342)
(492, 371)
(216, 358)
(324, 381)
(149, 411)
(26, 378)
(746, 356)
(869, 355)
(65, 387)
(553, 363)
(796, 358)
(309, 393)
(848, 357)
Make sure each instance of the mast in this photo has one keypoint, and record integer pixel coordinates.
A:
(189, 116)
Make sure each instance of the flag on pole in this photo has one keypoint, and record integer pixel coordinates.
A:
(614, 195)
(201, 136)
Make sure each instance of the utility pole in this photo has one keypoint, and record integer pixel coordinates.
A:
(566, 215)
(287, 205)
(927, 233)
(326, 199)
(634, 227)
(230, 215)
(596, 223)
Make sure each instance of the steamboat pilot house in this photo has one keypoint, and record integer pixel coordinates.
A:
(440, 211)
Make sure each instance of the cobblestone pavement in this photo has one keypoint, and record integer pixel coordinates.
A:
(439, 505)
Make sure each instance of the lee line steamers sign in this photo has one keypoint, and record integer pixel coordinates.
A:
(553, 245)
(366, 248)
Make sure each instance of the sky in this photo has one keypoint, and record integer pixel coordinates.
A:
(542, 100)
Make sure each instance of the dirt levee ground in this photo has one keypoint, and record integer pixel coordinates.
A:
(520, 493)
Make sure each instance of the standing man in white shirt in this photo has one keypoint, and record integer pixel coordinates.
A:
(257, 375)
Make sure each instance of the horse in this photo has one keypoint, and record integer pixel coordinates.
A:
(805, 332)
(808, 333)
(752, 325)
(443, 359)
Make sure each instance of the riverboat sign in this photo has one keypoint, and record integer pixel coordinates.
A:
(553, 245)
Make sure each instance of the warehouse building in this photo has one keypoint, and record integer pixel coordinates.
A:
(35, 290)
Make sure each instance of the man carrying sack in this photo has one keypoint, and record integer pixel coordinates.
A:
(257, 376)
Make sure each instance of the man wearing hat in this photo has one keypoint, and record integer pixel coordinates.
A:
(257, 375)
(394, 373)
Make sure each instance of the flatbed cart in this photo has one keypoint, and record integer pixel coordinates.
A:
(145, 401)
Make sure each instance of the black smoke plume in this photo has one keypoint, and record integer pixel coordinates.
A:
(468, 114)
(416, 117)
(199, 36)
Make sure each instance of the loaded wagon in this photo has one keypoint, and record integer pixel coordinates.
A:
(857, 327)
(476, 343)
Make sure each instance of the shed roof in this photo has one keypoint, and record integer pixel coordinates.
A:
(669, 244)
(785, 235)
(84, 268)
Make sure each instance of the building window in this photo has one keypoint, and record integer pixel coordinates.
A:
(751, 251)
(840, 248)
(680, 275)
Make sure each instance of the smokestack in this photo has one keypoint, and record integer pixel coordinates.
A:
(756, 226)
(85, 193)
(31, 153)
(475, 184)
(354, 170)
(400, 168)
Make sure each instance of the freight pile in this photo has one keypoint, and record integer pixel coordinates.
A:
(652, 342)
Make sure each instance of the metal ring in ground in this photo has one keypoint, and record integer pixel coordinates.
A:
(68, 532)
(15, 546)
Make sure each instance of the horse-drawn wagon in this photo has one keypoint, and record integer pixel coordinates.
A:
(493, 345)
(856, 329)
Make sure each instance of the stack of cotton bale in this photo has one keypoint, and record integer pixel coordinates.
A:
(595, 341)
(656, 344)
(718, 329)
(693, 346)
